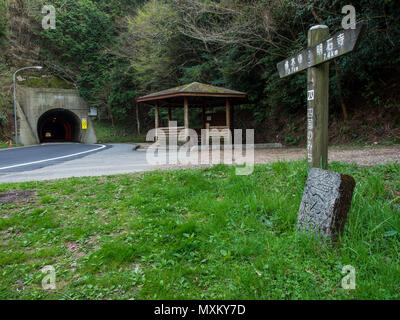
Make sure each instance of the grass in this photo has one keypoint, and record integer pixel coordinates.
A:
(5, 145)
(46, 82)
(197, 234)
(120, 133)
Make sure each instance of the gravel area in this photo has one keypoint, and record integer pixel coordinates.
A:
(363, 156)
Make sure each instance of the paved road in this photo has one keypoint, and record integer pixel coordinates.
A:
(54, 161)
(33, 164)
(35, 157)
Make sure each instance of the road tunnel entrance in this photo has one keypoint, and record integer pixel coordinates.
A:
(58, 125)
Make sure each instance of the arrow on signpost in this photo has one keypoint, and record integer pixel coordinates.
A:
(338, 45)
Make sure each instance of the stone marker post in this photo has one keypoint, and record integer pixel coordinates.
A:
(326, 203)
(327, 196)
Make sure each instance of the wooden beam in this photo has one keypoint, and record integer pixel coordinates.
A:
(228, 113)
(186, 115)
(318, 105)
(193, 94)
(203, 117)
(207, 142)
(156, 116)
(137, 119)
(228, 117)
(232, 118)
(156, 119)
(169, 115)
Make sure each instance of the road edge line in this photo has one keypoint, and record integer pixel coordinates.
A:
(52, 159)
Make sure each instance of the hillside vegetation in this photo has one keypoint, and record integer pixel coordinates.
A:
(114, 51)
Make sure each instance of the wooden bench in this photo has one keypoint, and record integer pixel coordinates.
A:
(218, 132)
(174, 133)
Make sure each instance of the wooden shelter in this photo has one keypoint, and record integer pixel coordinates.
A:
(196, 95)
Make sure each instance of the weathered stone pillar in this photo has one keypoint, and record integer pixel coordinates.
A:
(326, 203)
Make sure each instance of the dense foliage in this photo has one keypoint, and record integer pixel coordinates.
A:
(3, 20)
(4, 96)
(114, 51)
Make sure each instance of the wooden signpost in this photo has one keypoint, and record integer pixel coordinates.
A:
(321, 49)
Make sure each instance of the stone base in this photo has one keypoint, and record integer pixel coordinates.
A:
(326, 203)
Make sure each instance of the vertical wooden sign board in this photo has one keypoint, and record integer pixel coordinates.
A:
(317, 105)
(321, 49)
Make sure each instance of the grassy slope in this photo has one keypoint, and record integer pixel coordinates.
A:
(6, 102)
(203, 233)
(5, 145)
(120, 133)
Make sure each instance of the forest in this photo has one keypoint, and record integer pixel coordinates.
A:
(115, 51)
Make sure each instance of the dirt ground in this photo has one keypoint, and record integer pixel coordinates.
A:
(363, 156)
(367, 156)
(15, 196)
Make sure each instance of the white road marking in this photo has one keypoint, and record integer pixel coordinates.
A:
(52, 159)
(38, 145)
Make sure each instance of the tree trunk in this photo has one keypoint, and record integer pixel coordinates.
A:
(110, 115)
(137, 118)
(339, 87)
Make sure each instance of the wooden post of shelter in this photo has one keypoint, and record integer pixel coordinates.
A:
(228, 120)
(186, 116)
(169, 115)
(137, 118)
(232, 118)
(203, 117)
(156, 119)
(207, 135)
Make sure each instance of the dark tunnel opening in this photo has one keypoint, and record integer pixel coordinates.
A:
(58, 125)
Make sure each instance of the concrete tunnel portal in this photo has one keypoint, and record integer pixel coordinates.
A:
(53, 115)
(58, 125)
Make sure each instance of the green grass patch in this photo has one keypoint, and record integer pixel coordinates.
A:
(5, 145)
(47, 82)
(106, 133)
(197, 234)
